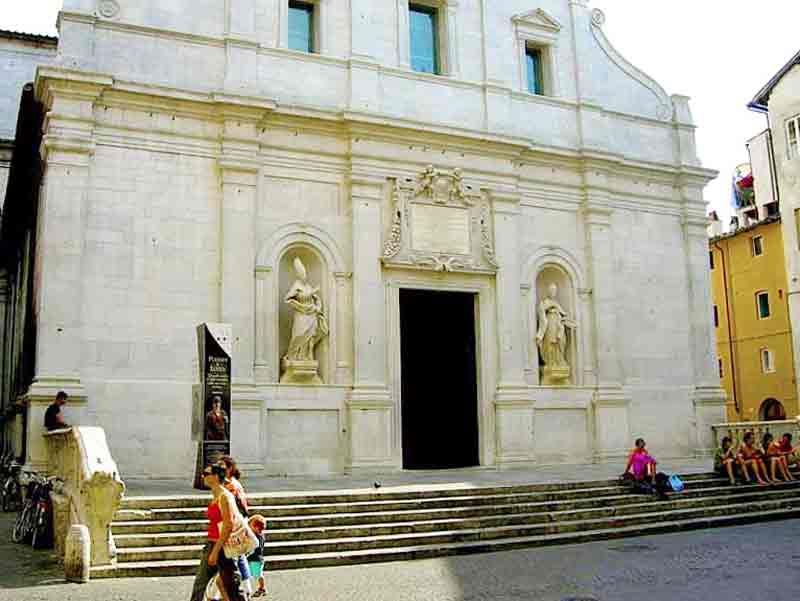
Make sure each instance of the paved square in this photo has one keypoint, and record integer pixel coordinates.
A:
(742, 563)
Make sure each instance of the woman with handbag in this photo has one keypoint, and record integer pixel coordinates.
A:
(222, 524)
(234, 485)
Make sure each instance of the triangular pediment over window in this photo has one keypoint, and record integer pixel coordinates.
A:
(538, 19)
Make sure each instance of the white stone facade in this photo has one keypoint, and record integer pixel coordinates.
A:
(190, 155)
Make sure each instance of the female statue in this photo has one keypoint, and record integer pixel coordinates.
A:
(309, 325)
(551, 337)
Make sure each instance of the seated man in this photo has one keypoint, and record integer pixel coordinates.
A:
(725, 460)
(53, 420)
(750, 456)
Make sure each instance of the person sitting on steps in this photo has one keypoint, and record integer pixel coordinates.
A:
(640, 464)
(749, 456)
(790, 454)
(774, 459)
(725, 460)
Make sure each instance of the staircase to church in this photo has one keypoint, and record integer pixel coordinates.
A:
(162, 536)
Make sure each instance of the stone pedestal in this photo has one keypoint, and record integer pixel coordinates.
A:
(555, 376)
(77, 554)
(300, 372)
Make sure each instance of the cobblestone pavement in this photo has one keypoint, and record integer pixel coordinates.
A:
(742, 563)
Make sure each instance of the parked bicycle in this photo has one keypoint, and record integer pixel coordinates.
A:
(35, 519)
(10, 489)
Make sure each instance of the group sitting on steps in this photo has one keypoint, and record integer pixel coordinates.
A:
(769, 463)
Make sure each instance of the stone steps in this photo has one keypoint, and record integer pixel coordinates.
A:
(401, 523)
(326, 529)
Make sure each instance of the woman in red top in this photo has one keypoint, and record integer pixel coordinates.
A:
(220, 524)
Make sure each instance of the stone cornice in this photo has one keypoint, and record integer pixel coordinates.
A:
(82, 85)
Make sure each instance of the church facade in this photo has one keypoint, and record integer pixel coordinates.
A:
(443, 234)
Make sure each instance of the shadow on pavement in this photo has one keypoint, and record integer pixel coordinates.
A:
(21, 565)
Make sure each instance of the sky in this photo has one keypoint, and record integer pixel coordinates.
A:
(718, 52)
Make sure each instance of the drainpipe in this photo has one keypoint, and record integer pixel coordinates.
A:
(730, 329)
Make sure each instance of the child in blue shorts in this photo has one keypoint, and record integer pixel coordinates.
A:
(256, 559)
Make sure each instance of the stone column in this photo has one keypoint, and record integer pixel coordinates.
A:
(514, 410)
(611, 404)
(370, 404)
(239, 170)
(67, 154)
(708, 398)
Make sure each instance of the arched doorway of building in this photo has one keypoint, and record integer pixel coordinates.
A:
(772, 410)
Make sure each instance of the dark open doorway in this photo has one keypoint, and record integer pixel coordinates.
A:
(439, 383)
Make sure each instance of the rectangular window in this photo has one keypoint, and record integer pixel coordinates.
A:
(716, 317)
(758, 246)
(797, 226)
(534, 66)
(424, 31)
(772, 209)
(762, 299)
(301, 27)
(711, 259)
(767, 361)
(792, 135)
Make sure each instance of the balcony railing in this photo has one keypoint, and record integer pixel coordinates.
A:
(737, 430)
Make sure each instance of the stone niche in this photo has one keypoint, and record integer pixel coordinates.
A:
(549, 275)
(318, 275)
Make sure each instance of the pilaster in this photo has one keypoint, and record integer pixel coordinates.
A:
(67, 153)
(611, 404)
(708, 398)
(370, 404)
(514, 411)
(239, 174)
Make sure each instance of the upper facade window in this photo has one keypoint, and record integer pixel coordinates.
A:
(792, 136)
(537, 36)
(762, 304)
(424, 31)
(758, 246)
(534, 65)
(301, 26)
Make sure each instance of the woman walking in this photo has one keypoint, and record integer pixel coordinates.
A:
(213, 562)
(234, 486)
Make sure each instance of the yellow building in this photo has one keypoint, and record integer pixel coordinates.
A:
(754, 334)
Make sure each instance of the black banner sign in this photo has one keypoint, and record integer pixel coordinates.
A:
(214, 353)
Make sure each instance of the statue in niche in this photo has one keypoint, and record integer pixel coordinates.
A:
(309, 327)
(552, 339)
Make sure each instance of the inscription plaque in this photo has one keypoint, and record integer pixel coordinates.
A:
(440, 229)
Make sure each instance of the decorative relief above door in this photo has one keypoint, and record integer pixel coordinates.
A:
(441, 224)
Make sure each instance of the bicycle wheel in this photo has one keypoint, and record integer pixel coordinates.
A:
(38, 534)
(21, 524)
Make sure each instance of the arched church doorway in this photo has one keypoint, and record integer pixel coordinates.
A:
(772, 410)
(439, 393)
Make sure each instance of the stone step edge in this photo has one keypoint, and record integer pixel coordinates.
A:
(753, 497)
(384, 493)
(657, 517)
(256, 509)
(288, 562)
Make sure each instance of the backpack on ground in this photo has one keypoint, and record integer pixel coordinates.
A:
(675, 483)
